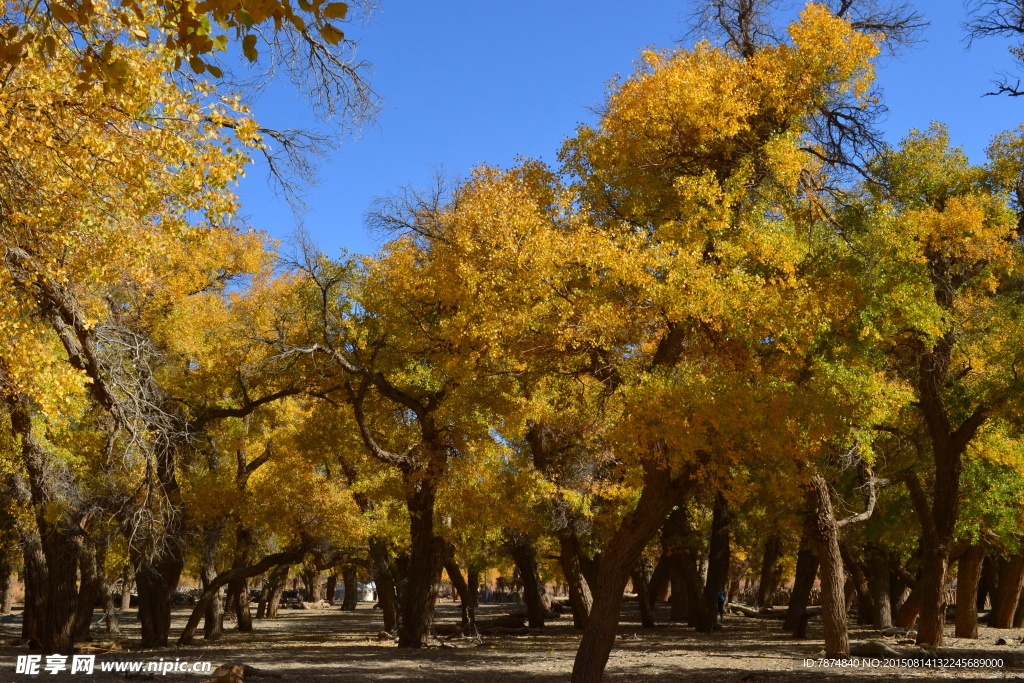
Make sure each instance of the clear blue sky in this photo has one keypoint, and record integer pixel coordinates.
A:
(468, 82)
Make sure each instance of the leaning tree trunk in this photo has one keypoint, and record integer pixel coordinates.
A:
(803, 583)
(213, 624)
(351, 600)
(865, 604)
(467, 589)
(821, 529)
(660, 578)
(274, 601)
(621, 552)
(968, 576)
(766, 585)
(89, 591)
(525, 557)
(718, 564)
(878, 583)
(580, 597)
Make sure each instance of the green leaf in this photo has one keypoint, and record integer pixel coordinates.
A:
(331, 34)
(336, 10)
(249, 47)
(246, 18)
(220, 43)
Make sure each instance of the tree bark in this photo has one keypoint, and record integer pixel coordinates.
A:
(274, 601)
(110, 616)
(156, 580)
(968, 576)
(383, 577)
(660, 578)
(238, 589)
(332, 589)
(640, 576)
(525, 556)
(467, 588)
(580, 596)
(1011, 578)
(35, 589)
(821, 529)
(213, 624)
(806, 570)
(426, 560)
(6, 584)
(718, 564)
(865, 604)
(620, 553)
(766, 584)
(351, 587)
(126, 588)
(878, 583)
(89, 591)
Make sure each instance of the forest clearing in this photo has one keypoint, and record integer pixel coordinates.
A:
(343, 647)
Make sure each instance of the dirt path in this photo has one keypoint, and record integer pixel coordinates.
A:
(331, 646)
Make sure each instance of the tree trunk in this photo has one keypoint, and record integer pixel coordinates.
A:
(821, 529)
(238, 590)
(620, 553)
(213, 624)
(640, 575)
(679, 603)
(287, 557)
(426, 560)
(660, 578)
(35, 589)
(579, 590)
(1011, 578)
(332, 589)
(525, 557)
(273, 586)
(156, 582)
(111, 618)
(126, 588)
(878, 583)
(6, 585)
(89, 591)
(806, 570)
(274, 601)
(351, 587)
(766, 585)
(865, 604)
(718, 564)
(467, 589)
(968, 576)
(383, 577)
(932, 589)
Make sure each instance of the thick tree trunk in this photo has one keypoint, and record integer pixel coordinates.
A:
(878, 583)
(89, 592)
(156, 582)
(213, 624)
(679, 602)
(6, 584)
(1011, 578)
(61, 552)
(766, 584)
(351, 587)
(580, 596)
(718, 564)
(35, 589)
(332, 589)
(273, 587)
(620, 553)
(641, 576)
(968, 576)
(932, 589)
(525, 556)
(821, 529)
(426, 560)
(806, 570)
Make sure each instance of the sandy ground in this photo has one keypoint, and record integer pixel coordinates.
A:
(331, 646)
